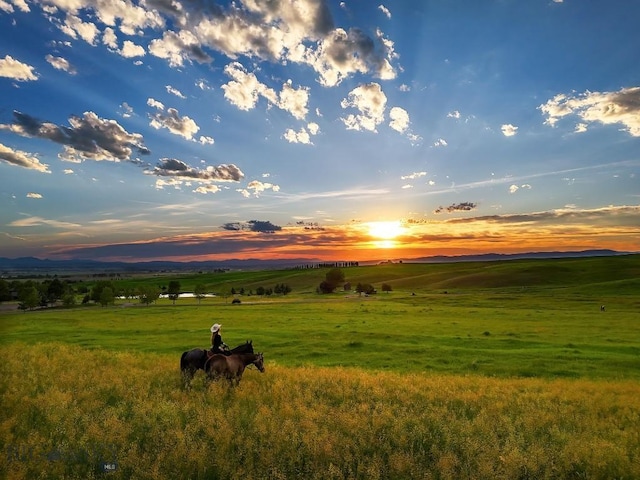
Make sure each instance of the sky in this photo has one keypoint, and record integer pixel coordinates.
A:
(355, 130)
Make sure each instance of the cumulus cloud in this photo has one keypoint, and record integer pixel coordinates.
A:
(371, 102)
(244, 90)
(303, 135)
(60, 63)
(455, 114)
(178, 172)
(183, 126)
(441, 142)
(8, 7)
(34, 195)
(74, 27)
(413, 176)
(384, 10)
(509, 130)
(399, 119)
(621, 107)
(204, 140)
(131, 50)
(457, 207)
(261, 226)
(177, 48)
(174, 91)
(88, 137)
(22, 159)
(515, 188)
(16, 70)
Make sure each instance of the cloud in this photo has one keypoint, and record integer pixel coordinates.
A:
(126, 109)
(174, 91)
(509, 130)
(457, 207)
(244, 91)
(21, 5)
(514, 188)
(413, 176)
(74, 27)
(109, 38)
(16, 70)
(204, 140)
(172, 121)
(177, 48)
(252, 226)
(621, 107)
(22, 159)
(88, 137)
(131, 50)
(399, 119)
(441, 142)
(34, 195)
(303, 135)
(455, 114)
(343, 53)
(371, 102)
(384, 10)
(181, 172)
(38, 221)
(155, 104)
(60, 63)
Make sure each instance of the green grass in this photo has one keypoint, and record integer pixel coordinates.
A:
(416, 383)
(543, 334)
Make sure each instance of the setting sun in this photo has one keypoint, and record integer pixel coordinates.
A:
(385, 230)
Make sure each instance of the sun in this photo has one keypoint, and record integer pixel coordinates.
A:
(385, 230)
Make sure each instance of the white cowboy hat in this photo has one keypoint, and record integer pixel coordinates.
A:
(215, 327)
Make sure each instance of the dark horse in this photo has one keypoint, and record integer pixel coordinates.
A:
(194, 360)
(232, 367)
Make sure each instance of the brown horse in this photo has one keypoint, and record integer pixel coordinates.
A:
(195, 359)
(232, 367)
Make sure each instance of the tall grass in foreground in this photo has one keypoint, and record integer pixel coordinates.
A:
(69, 412)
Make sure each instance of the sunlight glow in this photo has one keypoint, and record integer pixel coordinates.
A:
(385, 230)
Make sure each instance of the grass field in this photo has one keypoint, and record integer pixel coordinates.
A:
(525, 379)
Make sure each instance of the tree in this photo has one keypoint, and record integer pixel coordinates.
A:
(365, 288)
(28, 297)
(100, 285)
(174, 290)
(200, 291)
(107, 297)
(148, 294)
(386, 287)
(333, 279)
(5, 293)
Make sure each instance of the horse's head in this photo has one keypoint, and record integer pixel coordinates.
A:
(259, 362)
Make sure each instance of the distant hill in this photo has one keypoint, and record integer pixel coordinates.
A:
(37, 266)
(516, 256)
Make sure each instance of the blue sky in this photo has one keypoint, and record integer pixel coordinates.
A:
(347, 130)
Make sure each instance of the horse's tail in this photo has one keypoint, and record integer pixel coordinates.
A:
(183, 361)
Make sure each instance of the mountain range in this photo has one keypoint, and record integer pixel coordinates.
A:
(33, 265)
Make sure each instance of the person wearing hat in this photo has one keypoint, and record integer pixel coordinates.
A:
(217, 345)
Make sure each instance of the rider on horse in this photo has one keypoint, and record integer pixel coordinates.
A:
(217, 345)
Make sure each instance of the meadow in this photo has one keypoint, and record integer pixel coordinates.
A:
(516, 374)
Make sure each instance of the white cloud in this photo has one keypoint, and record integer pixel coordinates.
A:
(22, 159)
(74, 27)
(204, 140)
(509, 130)
(174, 91)
(455, 114)
(413, 176)
(34, 195)
(384, 10)
(621, 107)
(441, 142)
(60, 63)
(109, 38)
(172, 121)
(16, 70)
(399, 119)
(131, 50)
(152, 102)
(371, 102)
